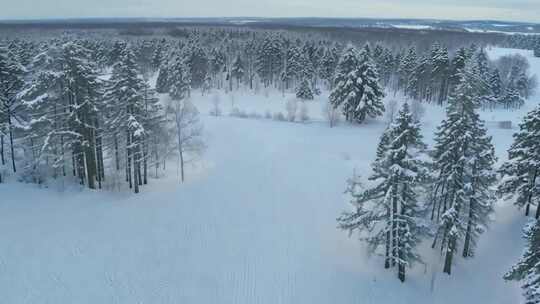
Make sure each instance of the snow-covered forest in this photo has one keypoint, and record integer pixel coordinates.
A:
(246, 165)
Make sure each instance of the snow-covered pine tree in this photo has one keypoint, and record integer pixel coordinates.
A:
(496, 88)
(457, 65)
(482, 78)
(406, 70)
(180, 78)
(159, 54)
(389, 214)
(536, 50)
(463, 161)
(329, 61)
(269, 59)
(356, 87)
(303, 90)
(116, 52)
(162, 81)
(44, 127)
(237, 70)
(522, 85)
(11, 83)
(197, 62)
(217, 63)
(440, 69)
(153, 123)
(512, 98)
(527, 270)
(82, 91)
(125, 116)
(521, 172)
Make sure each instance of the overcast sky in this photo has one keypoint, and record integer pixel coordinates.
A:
(517, 10)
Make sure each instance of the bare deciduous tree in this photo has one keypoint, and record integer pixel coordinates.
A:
(189, 132)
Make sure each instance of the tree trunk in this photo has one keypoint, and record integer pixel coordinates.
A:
(10, 128)
(136, 171)
(145, 163)
(2, 149)
(387, 248)
(182, 165)
(394, 226)
(116, 153)
(468, 236)
(128, 158)
(449, 255)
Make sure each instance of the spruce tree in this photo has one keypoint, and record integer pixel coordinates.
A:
(197, 62)
(126, 115)
(356, 87)
(527, 270)
(536, 50)
(11, 83)
(82, 91)
(406, 69)
(496, 88)
(179, 79)
(269, 59)
(389, 215)
(521, 171)
(162, 82)
(329, 61)
(463, 164)
(237, 70)
(303, 90)
(440, 70)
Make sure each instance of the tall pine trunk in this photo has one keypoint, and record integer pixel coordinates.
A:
(2, 149)
(12, 148)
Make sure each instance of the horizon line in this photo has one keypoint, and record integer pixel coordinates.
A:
(142, 18)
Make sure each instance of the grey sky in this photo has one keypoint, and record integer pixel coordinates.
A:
(518, 10)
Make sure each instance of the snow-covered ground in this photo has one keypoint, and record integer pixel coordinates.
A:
(255, 223)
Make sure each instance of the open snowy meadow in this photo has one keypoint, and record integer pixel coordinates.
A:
(254, 223)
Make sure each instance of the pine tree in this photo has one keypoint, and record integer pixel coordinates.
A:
(390, 212)
(356, 87)
(527, 269)
(82, 91)
(303, 90)
(269, 60)
(496, 88)
(537, 49)
(521, 171)
(328, 65)
(159, 55)
(126, 113)
(45, 126)
(386, 66)
(440, 70)
(293, 66)
(406, 69)
(197, 62)
(457, 66)
(216, 65)
(463, 159)
(116, 52)
(162, 82)
(11, 83)
(180, 79)
(511, 98)
(237, 70)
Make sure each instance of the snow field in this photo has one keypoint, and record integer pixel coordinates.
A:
(255, 223)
